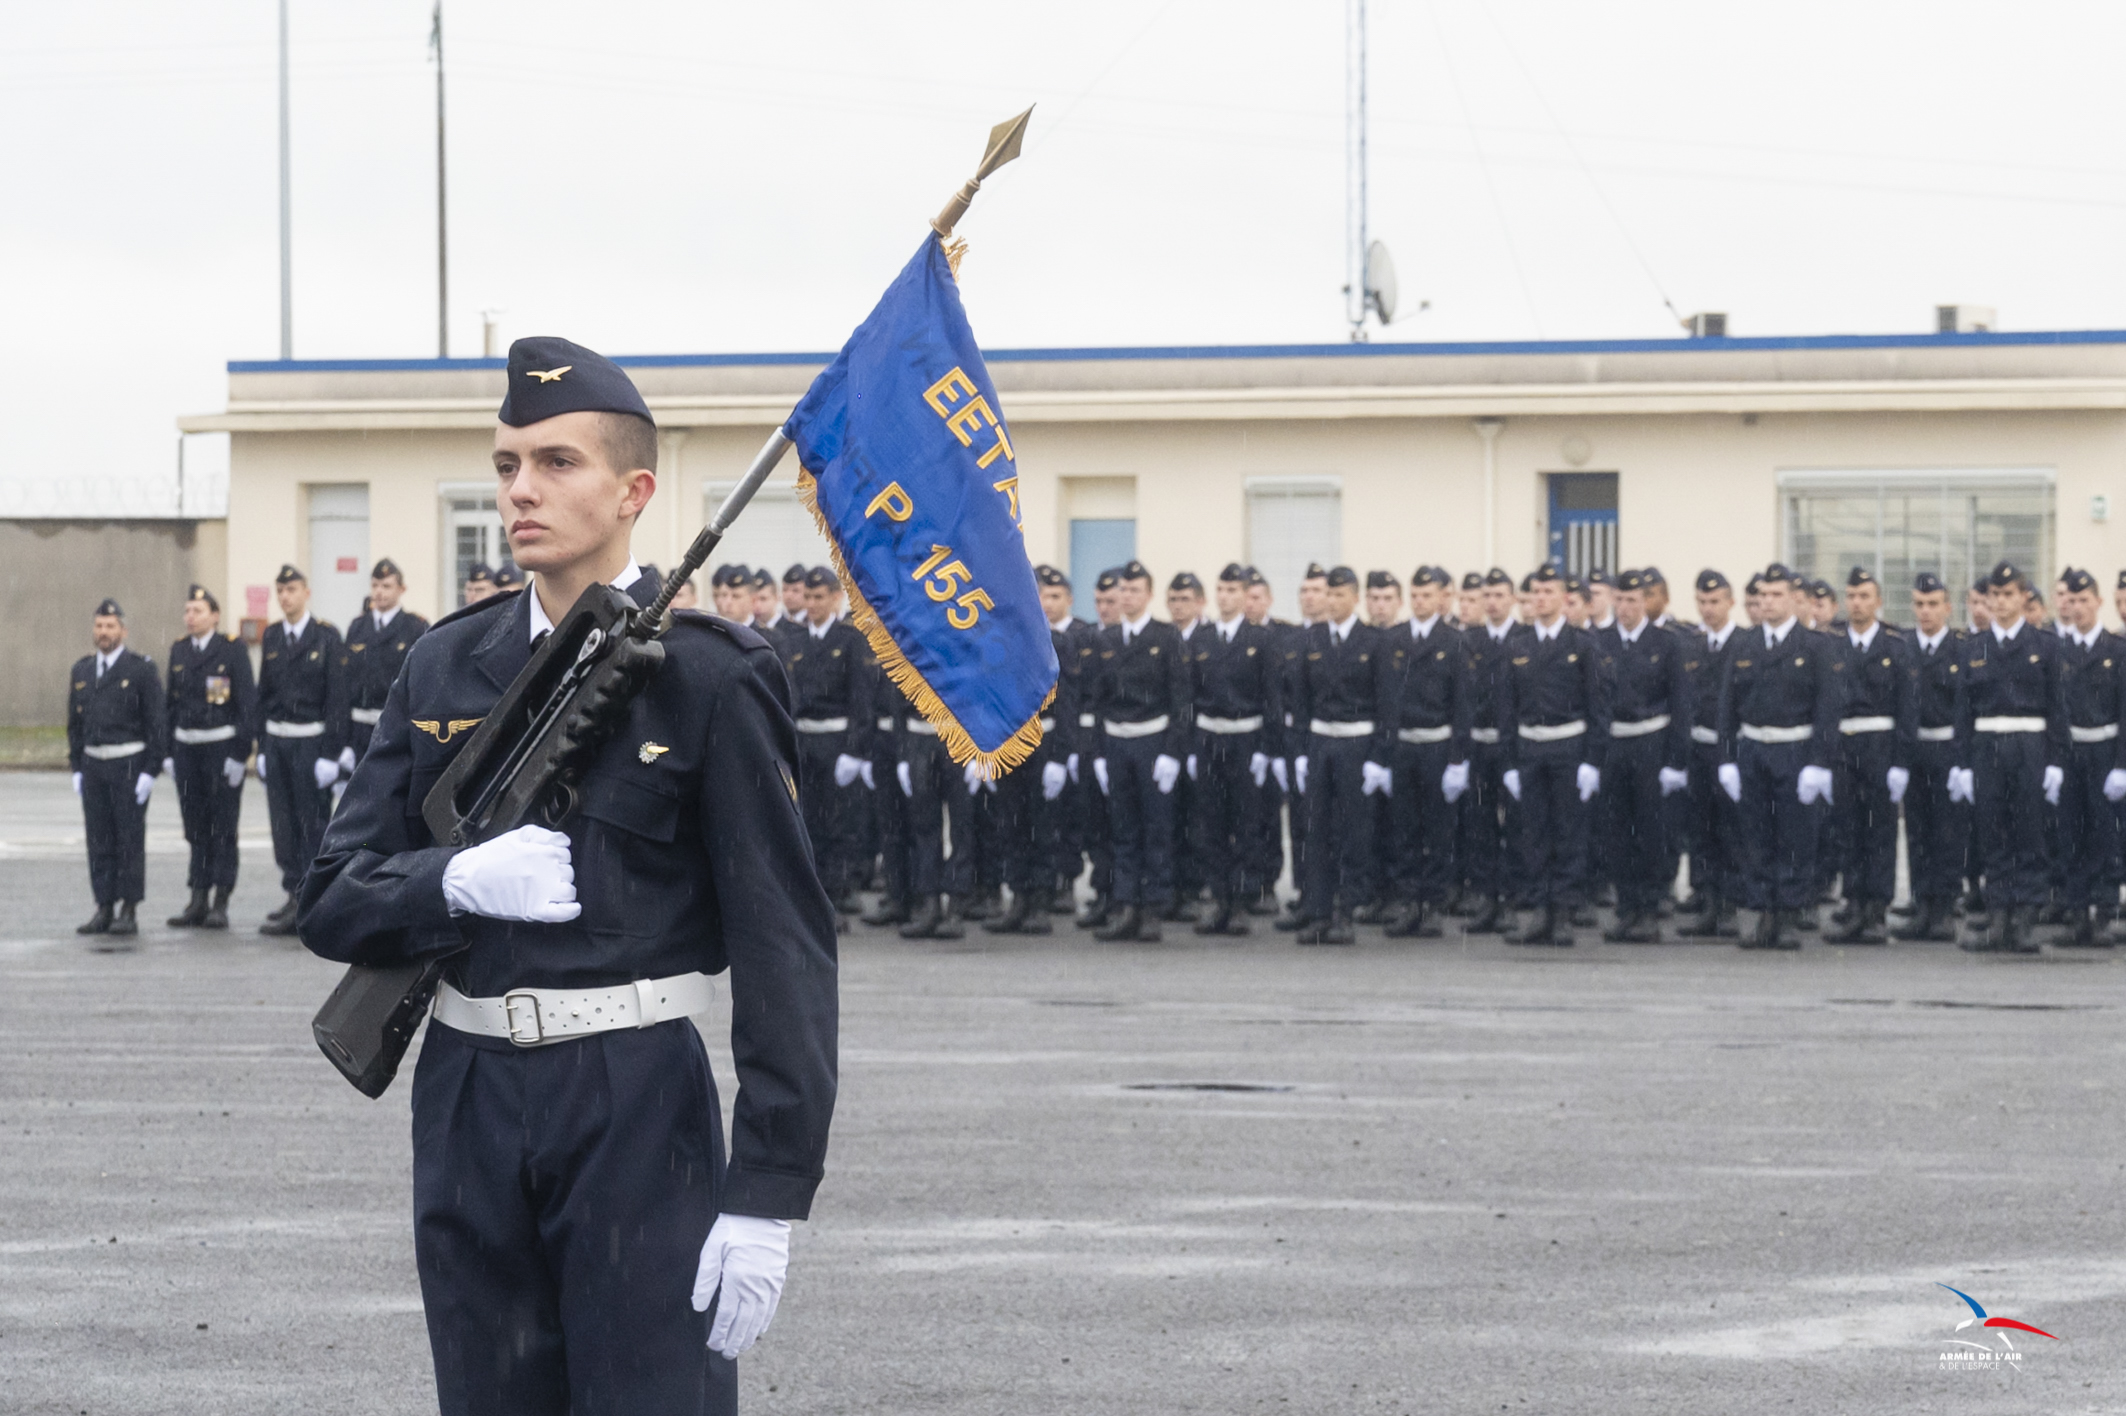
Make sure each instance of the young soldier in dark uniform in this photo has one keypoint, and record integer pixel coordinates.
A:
(793, 590)
(210, 708)
(1344, 704)
(1482, 849)
(1877, 730)
(1313, 595)
(1185, 611)
(2093, 681)
(1651, 712)
(570, 1190)
(1145, 705)
(114, 744)
(833, 713)
(1712, 823)
(1553, 721)
(1936, 826)
(1064, 808)
(376, 645)
(1383, 610)
(939, 795)
(1778, 731)
(479, 583)
(1027, 800)
(1098, 821)
(302, 701)
(1266, 858)
(1429, 757)
(1239, 710)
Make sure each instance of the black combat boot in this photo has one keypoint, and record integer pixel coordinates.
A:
(1296, 919)
(1765, 934)
(1216, 921)
(982, 904)
(285, 910)
(1541, 927)
(923, 920)
(1933, 922)
(217, 915)
(1865, 926)
(1062, 899)
(125, 923)
(1703, 922)
(1802, 921)
(98, 923)
(1407, 921)
(887, 911)
(1634, 929)
(1581, 917)
(847, 903)
(1014, 917)
(1379, 912)
(2082, 933)
(1989, 936)
(282, 920)
(1488, 918)
(1148, 926)
(1263, 902)
(1338, 929)
(1123, 925)
(1181, 911)
(192, 915)
(1973, 901)
(1458, 904)
(1037, 921)
(2022, 930)
(1096, 912)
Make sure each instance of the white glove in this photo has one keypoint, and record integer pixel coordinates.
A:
(870, 776)
(1674, 779)
(1053, 777)
(232, 771)
(1281, 773)
(326, 771)
(1100, 773)
(1072, 763)
(1590, 779)
(971, 774)
(347, 760)
(746, 1258)
(262, 766)
(524, 874)
(1897, 778)
(1511, 779)
(1259, 767)
(900, 770)
(1814, 782)
(1192, 766)
(77, 784)
(144, 784)
(2115, 784)
(847, 769)
(1372, 777)
(169, 765)
(1165, 772)
(1731, 781)
(1299, 774)
(1962, 785)
(2054, 779)
(1454, 781)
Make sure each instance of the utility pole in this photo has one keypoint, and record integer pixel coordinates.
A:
(435, 40)
(287, 241)
(1355, 167)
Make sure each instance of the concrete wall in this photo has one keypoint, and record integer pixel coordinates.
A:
(55, 573)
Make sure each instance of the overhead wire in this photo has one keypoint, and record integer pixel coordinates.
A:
(1483, 164)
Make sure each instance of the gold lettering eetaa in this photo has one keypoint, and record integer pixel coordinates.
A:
(936, 394)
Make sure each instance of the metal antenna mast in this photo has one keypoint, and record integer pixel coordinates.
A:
(435, 40)
(1355, 167)
(287, 243)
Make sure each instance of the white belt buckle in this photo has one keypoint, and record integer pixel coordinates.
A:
(510, 1003)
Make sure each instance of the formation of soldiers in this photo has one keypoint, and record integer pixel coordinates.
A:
(1503, 755)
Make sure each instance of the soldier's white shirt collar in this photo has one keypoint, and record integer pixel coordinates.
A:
(2087, 641)
(383, 618)
(1060, 626)
(1716, 639)
(1775, 634)
(819, 631)
(1132, 628)
(540, 624)
(199, 641)
(105, 661)
(1498, 632)
(1631, 636)
(295, 629)
(1932, 642)
(1606, 621)
(1421, 628)
(2004, 635)
(1188, 630)
(1228, 628)
(1547, 633)
(1340, 630)
(1862, 641)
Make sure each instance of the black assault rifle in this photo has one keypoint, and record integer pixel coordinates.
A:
(521, 768)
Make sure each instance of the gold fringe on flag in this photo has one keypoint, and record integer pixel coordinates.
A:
(1013, 751)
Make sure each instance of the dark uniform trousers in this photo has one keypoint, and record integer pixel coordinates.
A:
(890, 811)
(295, 804)
(210, 807)
(830, 811)
(940, 795)
(2008, 772)
(1227, 808)
(2088, 828)
(1140, 820)
(116, 826)
(1714, 832)
(1095, 818)
(1866, 816)
(1029, 828)
(1340, 820)
(1937, 830)
(1422, 823)
(1635, 819)
(1481, 853)
(1553, 825)
(1781, 832)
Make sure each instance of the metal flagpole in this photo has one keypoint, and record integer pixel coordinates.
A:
(287, 244)
(435, 38)
(1355, 166)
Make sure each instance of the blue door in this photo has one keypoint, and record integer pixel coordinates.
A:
(1097, 544)
(1583, 521)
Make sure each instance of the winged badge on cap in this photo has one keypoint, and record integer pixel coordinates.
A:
(549, 375)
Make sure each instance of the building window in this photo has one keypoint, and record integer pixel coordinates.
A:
(1583, 521)
(1293, 521)
(775, 531)
(1957, 524)
(472, 535)
(1097, 543)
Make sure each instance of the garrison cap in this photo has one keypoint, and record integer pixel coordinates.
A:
(1527, 582)
(795, 575)
(819, 578)
(1497, 576)
(1430, 575)
(1256, 577)
(386, 569)
(2077, 581)
(201, 592)
(2122, 580)
(481, 571)
(1109, 578)
(549, 377)
(2004, 575)
(1049, 575)
(1711, 580)
(1599, 576)
(1135, 571)
(1186, 580)
(1575, 586)
(1777, 574)
(110, 607)
(721, 576)
(1546, 572)
(1651, 574)
(2034, 593)
(1858, 576)
(1819, 589)
(1756, 583)
(1234, 573)
(1382, 580)
(1982, 584)
(764, 579)
(1314, 571)
(1474, 580)
(1927, 583)
(1631, 580)
(289, 575)
(508, 578)
(1342, 575)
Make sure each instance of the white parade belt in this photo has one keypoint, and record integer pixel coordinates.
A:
(1552, 732)
(1854, 727)
(1705, 736)
(1229, 726)
(1778, 735)
(367, 717)
(1322, 727)
(1643, 727)
(1942, 734)
(922, 727)
(822, 725)
(1136, 730)
(2103, 734)
(1419, 737)
(1487, 736)
(2010, 725)
(539, 1017)
(111, 752)
(276, 728)
(193, 737)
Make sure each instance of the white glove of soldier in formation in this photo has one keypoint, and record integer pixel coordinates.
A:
(1962, 785)
(847, 769)
(1454, 781)
(325, 771)
(1299, 774)
(1100, 773)
(1165, 772)
(522, 875)
(1511, 781)
(232, 771)
(1259, 767)
(1279, 771)
(905, 778)
(144, 784)
(2055, 778)
(1589, 778)
(1897, 779)
(1814, 782)
(1053, 777)
(1674, 779)
(1731, 781)
(1372, 777)
(742, 1269)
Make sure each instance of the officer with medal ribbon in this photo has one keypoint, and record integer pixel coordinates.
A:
(1429, 758)
(1877, 730)
(1239, 711)
(1341, 712)
(210, 710)
(302, 700)
(1778, 728)
(1936, 826)
(376, 644)
(570, 1186)
(2093, 681)
(1712, 822)
(114, 744)
(1145, 708)
(1651, 711)
(833, 711)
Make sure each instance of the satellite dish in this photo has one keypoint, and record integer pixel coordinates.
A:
(1380, 282)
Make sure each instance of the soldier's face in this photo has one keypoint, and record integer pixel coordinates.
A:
(1055, 601)
(1862, 604)
(107, 632)
(2006, 603)
(1257, 601)
(1714, 607)
(1131, 596)
(561, 502)
(793, 598)
(1775, 602)
(1310, 598)
(199, 619)
(2079, 608)
(1383, 603)
(1339, 602)
(1977, 610)
(819, 603)
(1631, 608)
(478, 590)
(1498, 600)
(1600, 601)
(1930, 611)
(764, 598)
(294, 597)
(1656, 601)
(1232, 598)
(2034, 610)
(1546, 599)
(384, 592)
(1107, 604)
(2118, 601)
(686, 597)
(1184, 606)
(1424, 601)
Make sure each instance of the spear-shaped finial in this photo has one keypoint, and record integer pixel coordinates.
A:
(1004, 141)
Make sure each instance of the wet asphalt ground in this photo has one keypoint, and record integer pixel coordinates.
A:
(1408, 1176)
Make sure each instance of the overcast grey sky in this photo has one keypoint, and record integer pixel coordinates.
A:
(650, 177)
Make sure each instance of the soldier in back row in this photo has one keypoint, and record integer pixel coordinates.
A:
(1652, 709)
(374, 651)
(302, 705)
(1145, 706)
(1238, 680)
(114, 745)
(211, 711)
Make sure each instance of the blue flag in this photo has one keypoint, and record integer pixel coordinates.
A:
(908, 465)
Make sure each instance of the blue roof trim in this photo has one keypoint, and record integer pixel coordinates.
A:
(1259, 351)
